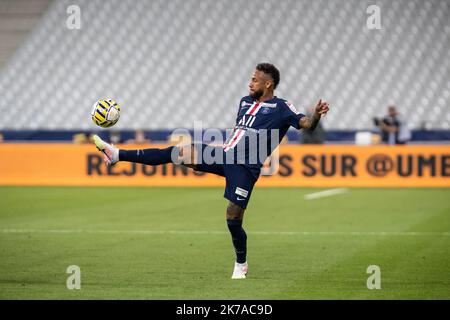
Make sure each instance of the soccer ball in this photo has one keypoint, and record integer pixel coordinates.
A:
(105, 113)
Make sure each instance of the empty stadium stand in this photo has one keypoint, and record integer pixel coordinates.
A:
(172, 62)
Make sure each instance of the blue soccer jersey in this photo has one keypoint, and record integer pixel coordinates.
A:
(259, 129)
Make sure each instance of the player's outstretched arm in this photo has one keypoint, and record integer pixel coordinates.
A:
(310, 123)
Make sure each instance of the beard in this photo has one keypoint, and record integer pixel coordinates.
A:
(257, 94)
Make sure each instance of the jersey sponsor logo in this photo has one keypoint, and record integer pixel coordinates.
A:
(247, 121)
(241, 192)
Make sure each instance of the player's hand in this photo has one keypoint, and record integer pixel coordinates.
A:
(321, 108)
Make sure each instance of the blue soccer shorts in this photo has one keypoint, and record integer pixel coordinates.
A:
(239, 179)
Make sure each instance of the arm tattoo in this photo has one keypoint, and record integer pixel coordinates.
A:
(309, 123)
(314, 121)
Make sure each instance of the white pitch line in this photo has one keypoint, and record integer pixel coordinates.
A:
(204, 232)
(325, 193)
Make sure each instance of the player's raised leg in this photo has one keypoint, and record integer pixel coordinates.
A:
(181, 154)
(235, 215)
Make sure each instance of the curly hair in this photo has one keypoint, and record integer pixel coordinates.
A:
(271, 70)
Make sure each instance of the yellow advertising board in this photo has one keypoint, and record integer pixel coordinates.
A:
(298, 166)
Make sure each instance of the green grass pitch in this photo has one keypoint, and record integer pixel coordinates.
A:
(173, 243)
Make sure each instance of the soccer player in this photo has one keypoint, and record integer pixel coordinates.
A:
(262, 116)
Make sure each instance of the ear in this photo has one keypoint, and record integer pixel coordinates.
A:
(268, 84)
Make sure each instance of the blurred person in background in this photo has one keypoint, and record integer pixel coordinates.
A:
(312, 137)
(115, 137)
(1, 138)
(394, 130)
(80, 138)
(176, 138)
(139, 138)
